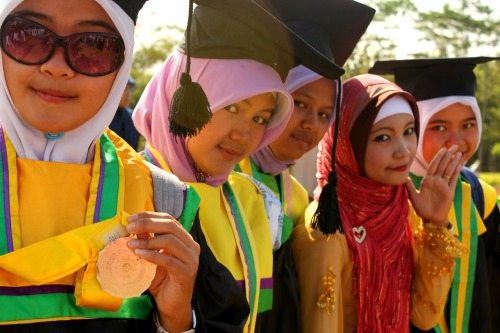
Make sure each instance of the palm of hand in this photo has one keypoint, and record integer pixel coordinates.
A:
(433, 201)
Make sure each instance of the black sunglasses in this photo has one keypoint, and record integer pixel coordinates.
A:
(87, 53)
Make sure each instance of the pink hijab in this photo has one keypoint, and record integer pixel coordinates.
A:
(225, 81)
(297, 78)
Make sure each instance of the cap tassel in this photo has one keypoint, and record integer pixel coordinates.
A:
(190, 109)
(327, 218)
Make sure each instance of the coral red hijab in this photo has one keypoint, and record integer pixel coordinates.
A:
(374, 216)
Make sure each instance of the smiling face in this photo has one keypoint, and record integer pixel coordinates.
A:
(314, 104)
(391, 147)
(52, 97)
(233, 133)
(453, 125)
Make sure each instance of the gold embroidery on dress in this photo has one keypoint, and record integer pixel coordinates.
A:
(327, 300)
(438, 237)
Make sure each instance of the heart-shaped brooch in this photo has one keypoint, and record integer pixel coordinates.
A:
(359, 234)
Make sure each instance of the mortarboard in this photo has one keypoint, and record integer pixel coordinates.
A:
(252, 29)
(333, 27)
(433, 78)
(237, 29)
(131, 7)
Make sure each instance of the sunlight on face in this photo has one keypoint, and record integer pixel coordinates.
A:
(314, 105)
(453, 125)
(234, 132)
(390, 150)
(51, 97)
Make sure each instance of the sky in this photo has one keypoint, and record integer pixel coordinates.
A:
(174, 12)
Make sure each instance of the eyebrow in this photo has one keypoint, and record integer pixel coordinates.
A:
(247, 102)
(311, 97)
(85, 23)
(387, 128)
(440, 121)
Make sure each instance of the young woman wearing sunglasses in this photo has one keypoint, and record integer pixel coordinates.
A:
(64, 66)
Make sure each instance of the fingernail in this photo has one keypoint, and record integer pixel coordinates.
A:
(131, 227)
(141, 252)
(133, 243)
(132, 218)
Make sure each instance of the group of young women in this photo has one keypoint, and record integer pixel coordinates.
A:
(234, 252)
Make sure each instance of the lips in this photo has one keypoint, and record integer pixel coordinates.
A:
(304, 138)
(230, 153)
(401, 168)
(52, 95)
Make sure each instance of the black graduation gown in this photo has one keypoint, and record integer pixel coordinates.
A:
(485, 307)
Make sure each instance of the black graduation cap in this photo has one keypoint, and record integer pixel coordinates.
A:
(237, 29)
(433, 78)
(333, 27)
(252, 29)
(131, 7)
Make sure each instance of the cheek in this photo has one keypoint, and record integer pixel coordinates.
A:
(100, 90)
(256, 135)
(430, 146)
(322, 128)
(473, 138)
(294, 123)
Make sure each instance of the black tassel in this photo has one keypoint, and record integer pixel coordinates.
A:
(327, 218)
(190, 109)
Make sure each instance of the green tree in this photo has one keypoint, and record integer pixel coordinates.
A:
(377, 43)
(470, 27)
(147, 58)
(455, 31)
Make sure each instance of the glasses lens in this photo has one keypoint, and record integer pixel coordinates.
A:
(25, 42)
(95, 53)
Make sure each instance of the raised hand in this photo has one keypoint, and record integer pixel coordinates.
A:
(435, 197)
(177, 255)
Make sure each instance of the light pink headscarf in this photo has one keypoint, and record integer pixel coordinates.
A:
(225, 81)
(297, 78)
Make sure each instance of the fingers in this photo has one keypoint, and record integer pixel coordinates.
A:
(410, 187)
(456, 168)
(441, 161)
(172, 247)
(156, 223)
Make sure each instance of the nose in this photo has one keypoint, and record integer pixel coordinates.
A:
(402, 149)
(310, 120)
(454, 138)
(241, 131)
(57, 66)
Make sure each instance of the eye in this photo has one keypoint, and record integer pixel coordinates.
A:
(381, 138)
(231, 108)
(410, 131)
(438, 128)
(300, 104)
(469, 125)
(260, 120)
(324, 115)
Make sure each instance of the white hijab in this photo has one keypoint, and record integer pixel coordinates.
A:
(75, 146)
(427, 109)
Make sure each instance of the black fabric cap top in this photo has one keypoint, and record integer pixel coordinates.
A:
(131, 7)
(245, 29)
(333, 27)
(433, 78)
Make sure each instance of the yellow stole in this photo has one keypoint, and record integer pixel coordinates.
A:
(235, 224)
(60, 279)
